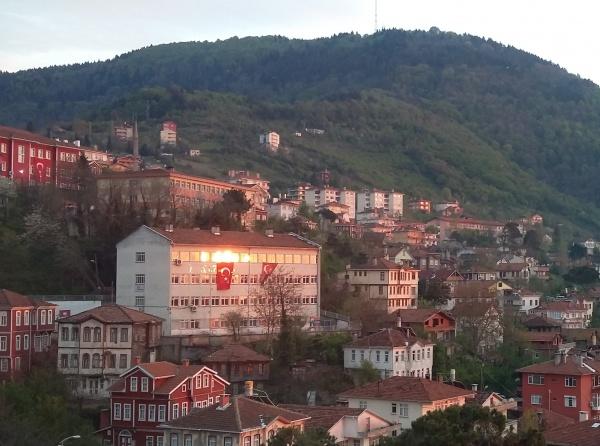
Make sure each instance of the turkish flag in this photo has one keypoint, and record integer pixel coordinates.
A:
(267, 270)
(224, 271)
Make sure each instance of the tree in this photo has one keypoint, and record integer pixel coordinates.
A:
(291, 436)
(234, 321)
(277, 303)
(532, 241)
(583, 275)
(511, 235)
(577, 251)
(435, 291)
(235, 203)
(367, 373)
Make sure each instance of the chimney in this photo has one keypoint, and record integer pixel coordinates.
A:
(185, 362)
(474, 387)
(137, 360)
(595, 337)
(215, 230)
(77, 143)
(398, 321)
(452, 375)
(583, 415)
(269, 233)
(248, 388)
(557, 357)
(225, 400)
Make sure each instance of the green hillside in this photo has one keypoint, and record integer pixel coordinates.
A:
(428, 113)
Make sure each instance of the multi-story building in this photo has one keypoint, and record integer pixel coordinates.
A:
(393, 352)
(123, 132)
(436, 324)
(403, 399)
(390, 201)
(169, 196)
(270, 140)
(96, 346)
(239, 421)
(420, 205)
(247, 178)
(28, 158)
(26, 326)
(316, 197)
(284, 209)
(448, 225)
(568, 385)
(387, 283)
(150, 394)
(298, 192)
(193, 278)
(168, 134)
(238, 364)
(570, 313)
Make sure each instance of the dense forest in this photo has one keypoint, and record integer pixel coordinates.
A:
(429, 113)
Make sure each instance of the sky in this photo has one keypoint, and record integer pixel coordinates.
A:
(38, 33)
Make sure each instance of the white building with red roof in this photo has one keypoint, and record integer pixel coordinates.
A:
(96, 346)
(26, 326)
(402, 399)
(153, 393)
(193, 278)
(392, 352)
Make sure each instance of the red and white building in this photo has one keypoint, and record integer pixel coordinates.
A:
(568, 385)
(29, 158)
(154, 393)
(26, 326)
(168, 134)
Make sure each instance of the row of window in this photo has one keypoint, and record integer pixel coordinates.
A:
(384, 356)
(197, 279)
(243, 257)
(69, 157)
(187, 324)
(5, 364)
(402, 303)
(108, 360)
(115, 336)
(199, 187)
(153, 412)
(26, 318)
(394, 275)
(41, 343)
(198, 301)
(570, 381)
(569, 401)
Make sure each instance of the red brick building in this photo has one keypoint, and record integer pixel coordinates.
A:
(153, 393)
(568, 385)
(26, 326)
(436, 324)
(28, 158)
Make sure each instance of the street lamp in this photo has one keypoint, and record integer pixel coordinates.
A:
(62, 442)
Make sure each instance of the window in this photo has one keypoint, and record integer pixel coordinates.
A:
(387, 356)
(184, 408)
(18, 363)
(21, 154)
(113, 335)
(151, 412)
(75, 334)
(377, 356)
(26, 318)
(43, 317)
(3, 147)
(144, 384)
(159, 441)
(247, 441)
(3, 364)
(140, 281)
(174, 439)
(97, 334)
(403, 410)
(394, 408)
(570, 381)
(64, 334)
(228, 441)
(140, 257)
(149, 441)
(64, 361)
(140, 301)
(161, 412)
(18, 342)
(187, 440)
(256, 441)
(96, 363)
(18, 318)
(570, 401)
(382, 276)
(124, 334)
(117, 411)
(85, 361)
(25, 342)
(74, 360)
(3, 318)
(87, 334)
(536, 399)
(535, 379)
(205, 382)
(50, 318)
(362, 404)
(175, 411)
(133, 384)
(123, 361)
(142, 412)
(127, 412)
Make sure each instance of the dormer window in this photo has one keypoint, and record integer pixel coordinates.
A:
(133, 384)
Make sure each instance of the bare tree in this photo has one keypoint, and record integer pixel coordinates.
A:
(234, 320)
(277, 301)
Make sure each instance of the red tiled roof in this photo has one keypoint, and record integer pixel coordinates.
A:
(10, 299)
(236, 353)
(552, 419)
(562, 305)
(324, 417)
(540, 321)
(441, 274)
(112, 313)
(406, 388)
(387, 337)
(536, 336)
(419, 315)
(570, 366)
(586, 433)
(241, 414)
(11, 132)
(233, 238)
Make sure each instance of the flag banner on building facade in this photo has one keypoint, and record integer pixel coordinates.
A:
(224, 272)
(267, 270)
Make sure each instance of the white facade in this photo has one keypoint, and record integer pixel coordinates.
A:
(168, 137)
(271, 140)
(282, 209)
(176, 281)
(315, 197)
(409, 360)
(363, 429)
(391, 202)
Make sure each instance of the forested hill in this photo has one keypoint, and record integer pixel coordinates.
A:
(428, 113)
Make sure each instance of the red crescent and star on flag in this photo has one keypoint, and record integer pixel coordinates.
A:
(224, 271)
(267, 270)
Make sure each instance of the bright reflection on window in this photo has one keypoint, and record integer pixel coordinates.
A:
(225, 256)
(204, 256)
(245, 258)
